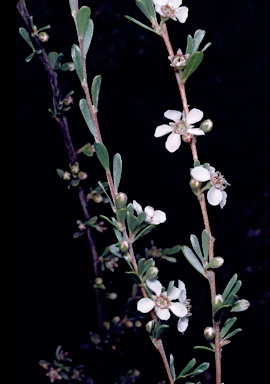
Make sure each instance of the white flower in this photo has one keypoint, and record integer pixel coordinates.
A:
(216, 194)
(179, 127)
(162, 302)
(171, 9)
(183, 321)
(153, 217)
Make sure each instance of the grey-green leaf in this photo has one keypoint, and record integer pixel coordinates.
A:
(102, 155)
(53, 59)
(198, 37)
(87, 116)
(205, 244)
(117, 170)
(77, 60)
(72, 5)
(188, 367)
(192, 259)
(192, 64)
(196, 246)
(26, 37)
(88, 36)
(190, 42)
(147, 7)
(232, 334)
(140, 24)
(146, 230)
(95, 88)
(227, 326)
(201, 368)
(172, 369)
(229, 286)
(83, 15)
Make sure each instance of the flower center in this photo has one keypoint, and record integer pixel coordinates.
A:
(179, 60)
(180, 127)
(162, 302)
(218, 181)
(167, 11)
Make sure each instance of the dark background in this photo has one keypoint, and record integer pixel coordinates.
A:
(53, 297)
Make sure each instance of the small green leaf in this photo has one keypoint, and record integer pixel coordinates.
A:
(117, 170)
(77, 60)
(229, 286)
(78, 234)
(190, 43)
(198, 37)
(146, 230)
(86, 149)
(227, 326)
(53, 60)
(121, 214)
(169, 259)
(88, 36)
(147, 7)
(188, 367)
(234, 290)
(221, 311)
(87, 116)
(25, 35)
(192, 64)
(196, 246)
(141, 218)
(132, 222)
(232, 334)
(140, 24)
(200, 369)
(172, 369)
(102, 155)
(140, 265)
(29, 57)
(171, 251)
(160, 329)
(205, 244)
(134, 277)
(118, 235)
(72, 5)
(205, 348)
(95, 88)
(192, 259)
(205, 47)
(146, 265)
(83, 15)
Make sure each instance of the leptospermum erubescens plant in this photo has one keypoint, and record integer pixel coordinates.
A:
(156, 301)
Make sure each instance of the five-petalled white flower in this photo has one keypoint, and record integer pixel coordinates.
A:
(216, 194)
(180, 126)
(183, 321)
(161, 302)
(153, 217)
(171, 9)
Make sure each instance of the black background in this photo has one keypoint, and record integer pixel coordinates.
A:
(53, 298)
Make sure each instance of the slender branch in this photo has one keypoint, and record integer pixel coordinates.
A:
(63, 122)
(210, 274)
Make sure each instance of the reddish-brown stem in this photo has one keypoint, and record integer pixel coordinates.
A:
(210, 274)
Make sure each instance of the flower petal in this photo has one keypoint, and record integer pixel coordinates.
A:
(150, 211)
(214, 196)
(145, 305)
(178, 309)
(182, 14)
(200, 173)
(159, 217)
(183, 293)
(175, 3)
(162, 130)
(173, 142)
(171, 114)
(182, 324)
(160, 2)
(224, 199)
(174, 294)
(194, 116)
(154, 285)
(162, 313)
(137, 207)
(196, 131)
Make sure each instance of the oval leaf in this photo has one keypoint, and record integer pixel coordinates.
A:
(88, 36)
(229, 286)
(77, 60)
(192, 64)
(196, 246)
(95, 88)
(26, 37)
(192, 259)
(117, 170)
(102, 155)
(87, 116)
(82, 20)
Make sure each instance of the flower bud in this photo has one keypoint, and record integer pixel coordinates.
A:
(129, 324)
(206, 125)
(98, 280)
(43, 37)
(151, 272)
(240, 305)
(136, 373)
(70, 66)
(75, 168)
(112, 296)
(217, 301)
(124, 246)
(106, 325)
(195, 184)
(187, 137)
(138, 323)
(97, 198)
(116, 319)
(82, 175)
(209, 333)
(216, 262)
(150, 325)
(121, 200)
(68, 100)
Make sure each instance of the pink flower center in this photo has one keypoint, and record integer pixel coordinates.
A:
(180, 127)
(218, 181)
(162, 302)
(168, 11)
